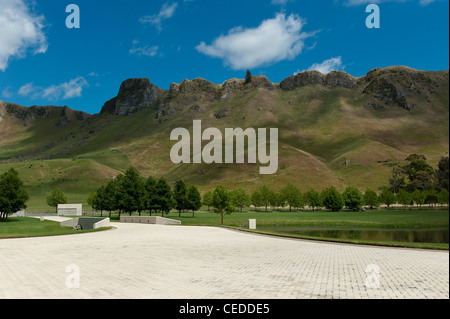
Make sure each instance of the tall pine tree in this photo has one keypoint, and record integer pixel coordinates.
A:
(164, 196)
(248, 77)
(180, 195)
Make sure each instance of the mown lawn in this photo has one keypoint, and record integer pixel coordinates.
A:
(374, 219)
(33, 227)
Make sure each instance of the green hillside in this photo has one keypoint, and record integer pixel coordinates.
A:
(329, 134)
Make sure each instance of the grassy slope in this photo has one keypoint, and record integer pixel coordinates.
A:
(319, 129)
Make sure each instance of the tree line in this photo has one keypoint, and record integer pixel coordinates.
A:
(415, 183)
(330, 198)
(132, 193)
(418, 174)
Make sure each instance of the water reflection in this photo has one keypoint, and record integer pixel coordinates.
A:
(440, 236)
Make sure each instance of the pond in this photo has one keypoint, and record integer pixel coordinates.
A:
(436, 236)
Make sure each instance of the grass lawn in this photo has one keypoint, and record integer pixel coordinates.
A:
(33, 227)
(375, 219)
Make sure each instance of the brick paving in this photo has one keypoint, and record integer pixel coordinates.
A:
(173, 262)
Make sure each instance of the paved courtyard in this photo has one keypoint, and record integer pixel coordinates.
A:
(155, 262)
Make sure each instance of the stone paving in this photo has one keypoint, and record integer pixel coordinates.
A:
(175, 262)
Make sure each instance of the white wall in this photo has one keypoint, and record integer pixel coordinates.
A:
(70, 210)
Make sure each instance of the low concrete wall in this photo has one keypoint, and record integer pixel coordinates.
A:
(87, 223)
(154, 220)
(70, 210)
(19, 214)
(103, 223)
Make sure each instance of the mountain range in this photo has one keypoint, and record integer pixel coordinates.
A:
(334, 129)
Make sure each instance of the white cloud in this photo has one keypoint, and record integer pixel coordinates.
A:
(27, 89)
(66, 90)
(21, 31)
(146, 50)
(426, 2)
(7, 93)
(272, 41)
(333, 64)
(167, 11)
(363, 2)
(280, 2)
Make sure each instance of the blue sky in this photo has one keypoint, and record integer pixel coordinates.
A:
(42, 62)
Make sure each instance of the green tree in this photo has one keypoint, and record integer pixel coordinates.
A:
(164, 196)
(108, 195)
(194, 199)
(240, 199)
(281, 201)
(353, 198)
(276, 200)
(313, 199)
(332, 199)
(222, 202)
(94, 202)
(118, 194)
(431, 197)
(292, 196)
(371, 199)
(404, 198)
(180, 195)
(419, 172)
(208, 199)
(387, 198)
(248, 77)
(13, 195)
(418, 197)
(132, 192)
(56, 198)
(415, 157)
(397, 180)
(150, 194)
(442, 174)
(256, 199)
(443, 197)
(266, 194)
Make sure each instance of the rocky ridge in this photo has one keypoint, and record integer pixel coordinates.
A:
(134, 95)
(332, 80)
(30, 114)
(400, 85)
(396, 86)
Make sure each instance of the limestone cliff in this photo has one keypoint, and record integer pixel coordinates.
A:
(134, 95)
